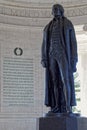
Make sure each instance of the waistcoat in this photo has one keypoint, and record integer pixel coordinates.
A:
(55, 39)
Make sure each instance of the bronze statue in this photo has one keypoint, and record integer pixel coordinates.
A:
(59, 57)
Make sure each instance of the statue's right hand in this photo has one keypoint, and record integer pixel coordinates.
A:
(44, 63)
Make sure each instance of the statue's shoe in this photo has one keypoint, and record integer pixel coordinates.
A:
(56, 110)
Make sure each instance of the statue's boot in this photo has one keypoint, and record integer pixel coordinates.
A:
(55, 109)
(63, 109)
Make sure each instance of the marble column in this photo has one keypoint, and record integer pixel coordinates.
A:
(84, 84)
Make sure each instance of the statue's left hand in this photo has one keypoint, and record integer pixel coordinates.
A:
(44, 63)
(74, 69)
(73, 65)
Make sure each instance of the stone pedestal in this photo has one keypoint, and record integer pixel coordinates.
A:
(62, 123)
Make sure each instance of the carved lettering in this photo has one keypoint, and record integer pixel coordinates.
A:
(40, 13)
(18, 87)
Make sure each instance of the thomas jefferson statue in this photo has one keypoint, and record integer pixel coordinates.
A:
(59, 57)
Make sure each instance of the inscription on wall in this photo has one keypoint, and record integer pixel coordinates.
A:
(41, 12)
(18, 82)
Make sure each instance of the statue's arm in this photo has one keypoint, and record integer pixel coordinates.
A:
(73, 46)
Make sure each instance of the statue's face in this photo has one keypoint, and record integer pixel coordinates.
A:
(56, 11)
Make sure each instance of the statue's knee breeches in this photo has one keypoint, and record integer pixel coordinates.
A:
(54, 71)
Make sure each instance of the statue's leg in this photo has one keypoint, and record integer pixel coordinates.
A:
(63, 101)
(64, 71)
(54, 74)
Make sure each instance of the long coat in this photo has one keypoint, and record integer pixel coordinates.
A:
(70, 44)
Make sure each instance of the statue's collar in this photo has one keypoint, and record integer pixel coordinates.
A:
(57, 18)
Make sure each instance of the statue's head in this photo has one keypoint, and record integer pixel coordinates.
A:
(57, 10)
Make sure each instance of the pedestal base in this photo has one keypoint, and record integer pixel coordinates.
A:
(62, 123)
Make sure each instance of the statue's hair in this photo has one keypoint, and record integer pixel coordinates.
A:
(58, 6)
